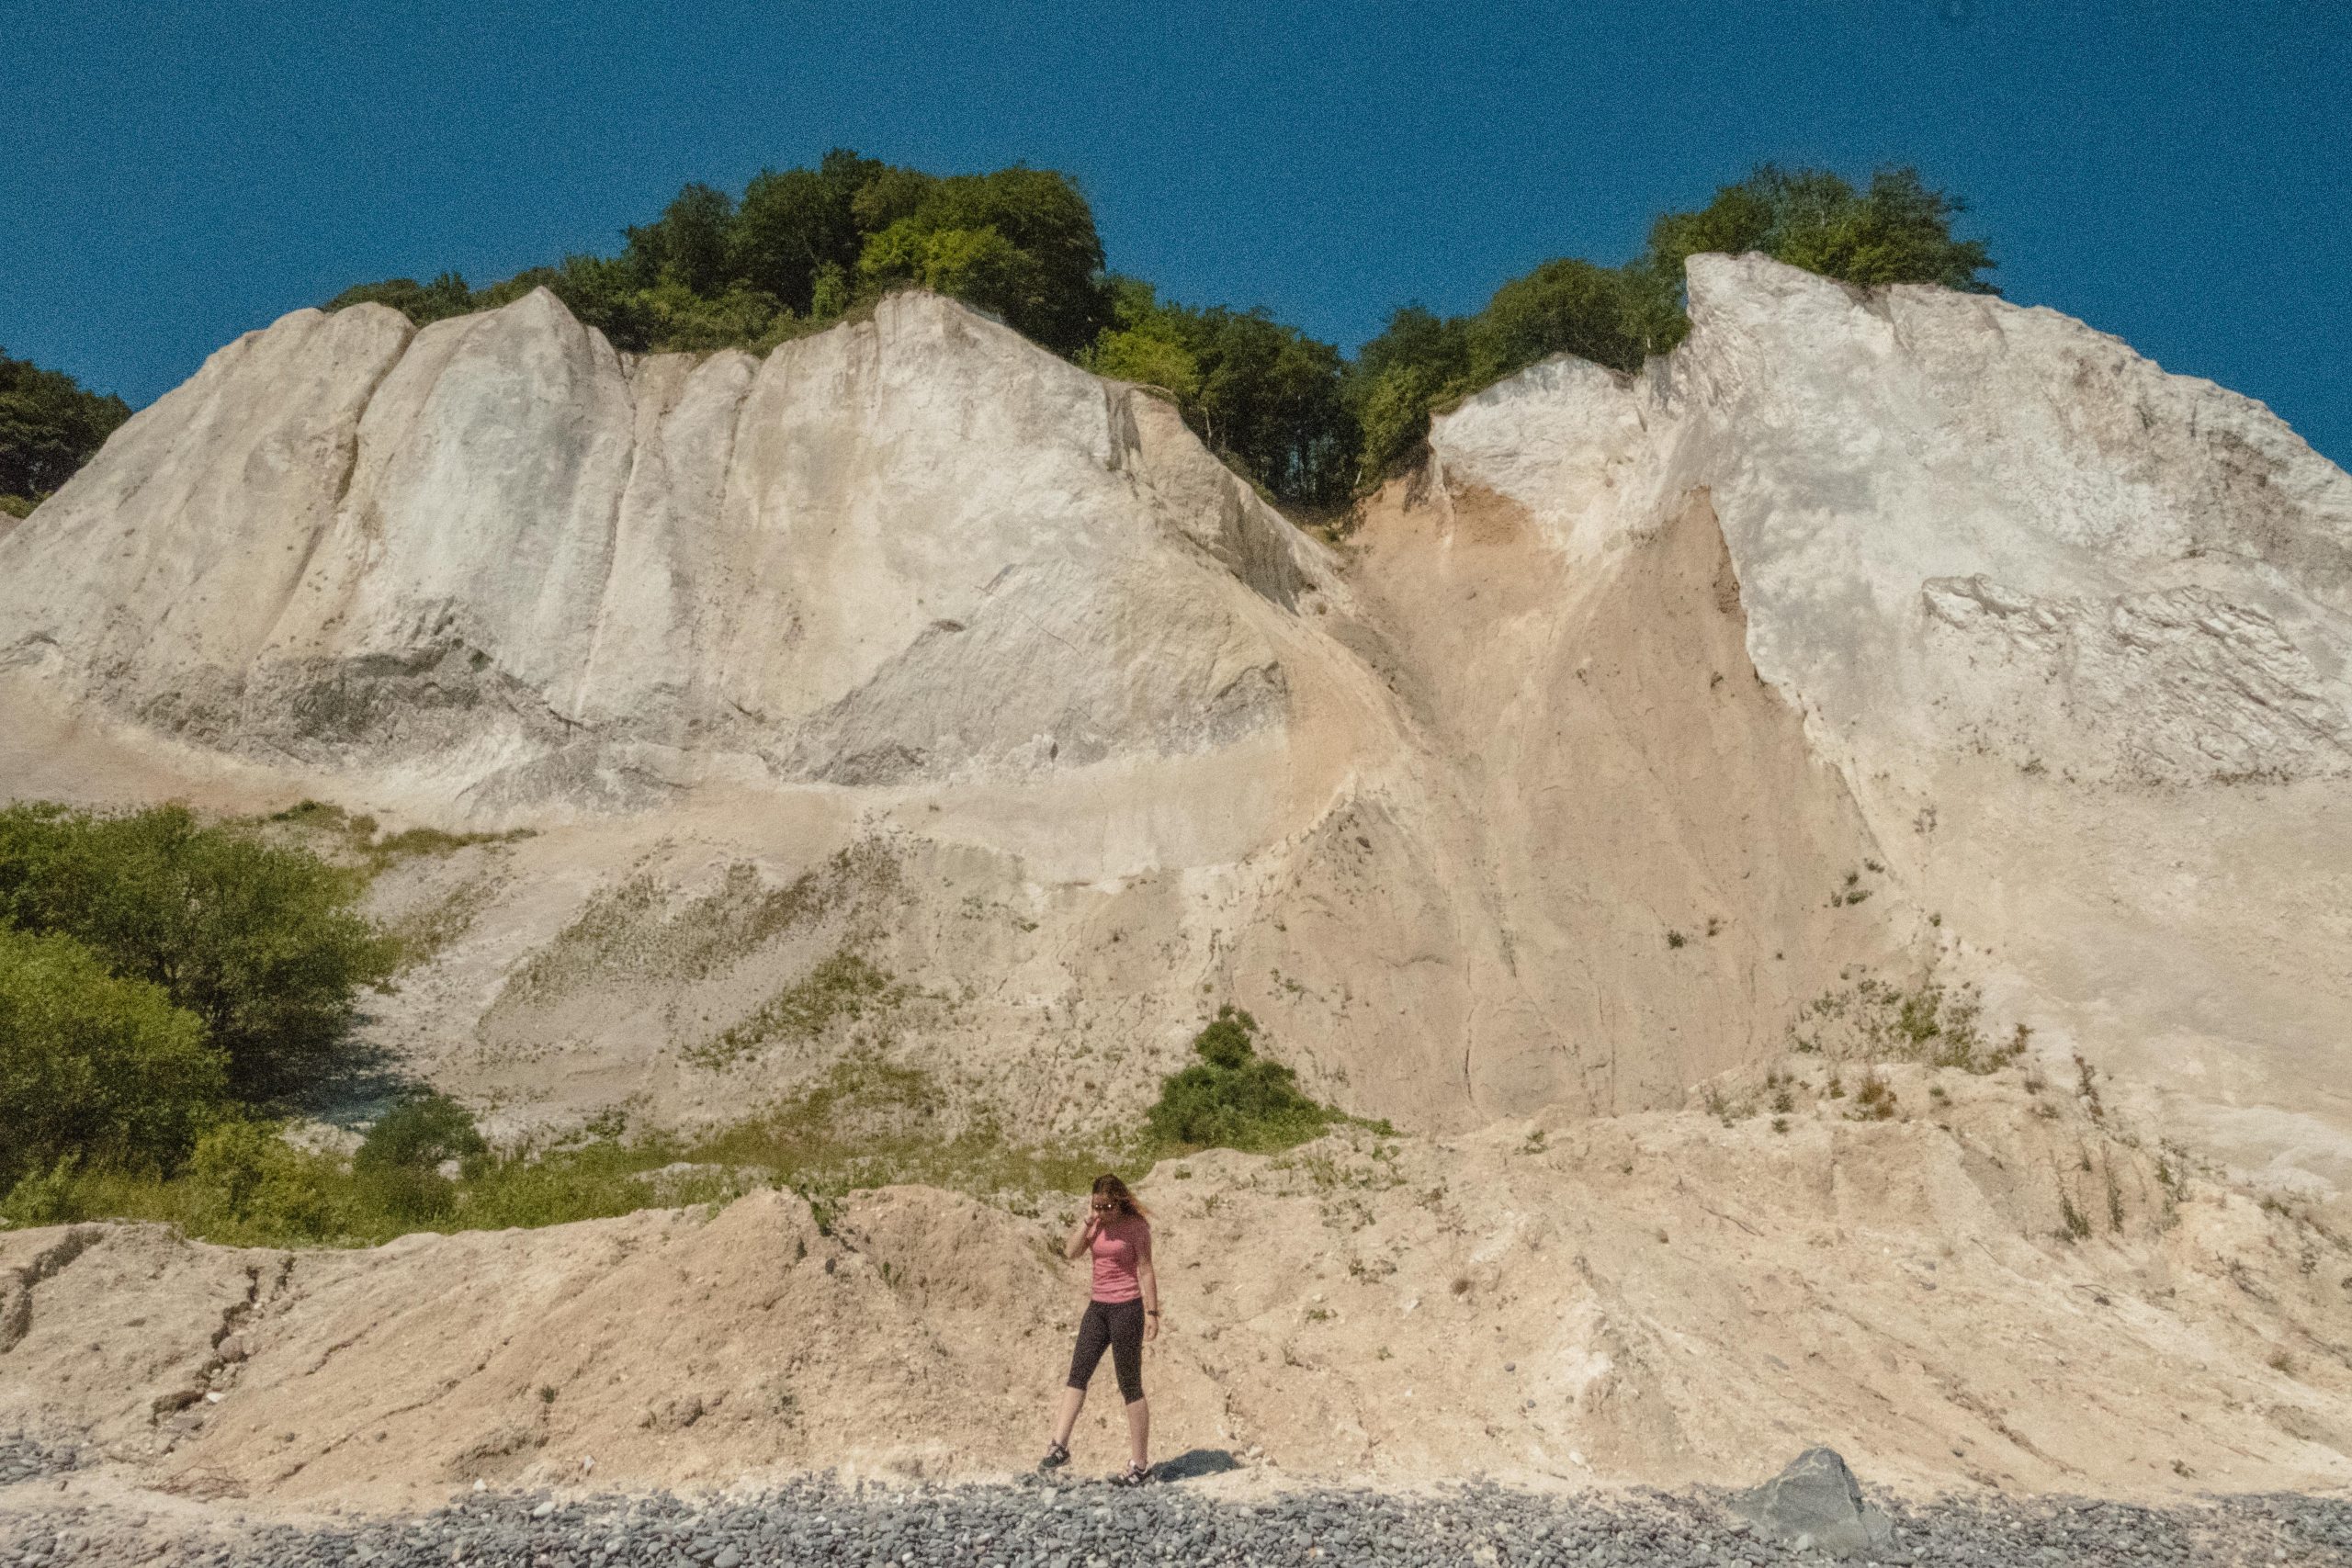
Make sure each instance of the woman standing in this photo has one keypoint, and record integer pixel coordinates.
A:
(1122, 1316)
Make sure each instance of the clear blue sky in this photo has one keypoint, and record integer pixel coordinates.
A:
(2180, 175)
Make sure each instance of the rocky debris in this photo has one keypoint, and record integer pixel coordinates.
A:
(1090, 1525)
(1816, 1505)
(24, 1457)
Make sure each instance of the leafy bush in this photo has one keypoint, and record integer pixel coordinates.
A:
(1896, 230)
(1233, 1098)
(262, 944)
(397, 1165)
(250, 1185)
(91, 1067)
(49, 427)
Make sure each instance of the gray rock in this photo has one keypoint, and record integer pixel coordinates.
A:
(1816, 1505)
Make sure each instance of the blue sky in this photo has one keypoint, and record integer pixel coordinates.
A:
(2180, 175)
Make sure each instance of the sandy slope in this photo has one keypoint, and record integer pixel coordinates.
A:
(1657, 1298)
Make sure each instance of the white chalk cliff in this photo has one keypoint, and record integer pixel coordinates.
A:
(1546, 789)
(493, 551)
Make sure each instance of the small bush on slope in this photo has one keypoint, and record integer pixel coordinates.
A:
(397, 1167)
(1233, 1098)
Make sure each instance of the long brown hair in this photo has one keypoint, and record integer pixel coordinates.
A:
(1109, 1186)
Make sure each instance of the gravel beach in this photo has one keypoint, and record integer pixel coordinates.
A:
(1086, 1523)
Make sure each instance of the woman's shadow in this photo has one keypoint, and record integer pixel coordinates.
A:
(1194, 1463)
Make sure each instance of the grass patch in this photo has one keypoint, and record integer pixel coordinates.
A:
(844, 988)
(423, 934)
(1874, 1020)
(357, 838)
(627, 932)
(423, 1167)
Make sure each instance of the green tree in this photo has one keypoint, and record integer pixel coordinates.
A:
(687, 244)
(1020, 243)
(1566, 306)
(48, 428)
(1397, 379)
(1146, 340)
(1270, 399)
(262, 943)
(94, 1068)
(1264, 396)
(791, 226)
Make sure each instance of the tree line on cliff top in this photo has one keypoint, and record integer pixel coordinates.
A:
(802, 248)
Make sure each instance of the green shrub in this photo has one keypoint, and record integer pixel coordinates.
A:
(93, 1067)
(261, 942)
(246, 1183)
(1233, 1098)
(397, 1165)
(422, 1132)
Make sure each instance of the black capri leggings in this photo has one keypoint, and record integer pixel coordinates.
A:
(1119, 1327)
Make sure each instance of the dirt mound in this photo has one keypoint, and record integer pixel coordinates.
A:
(1980, 1294)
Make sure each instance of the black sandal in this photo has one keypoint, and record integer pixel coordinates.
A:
(1136, 1475)
(1056, 1455)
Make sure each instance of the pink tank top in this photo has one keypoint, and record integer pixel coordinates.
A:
(1119, 1246)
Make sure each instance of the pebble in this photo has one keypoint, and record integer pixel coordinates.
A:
(1087, 1524)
